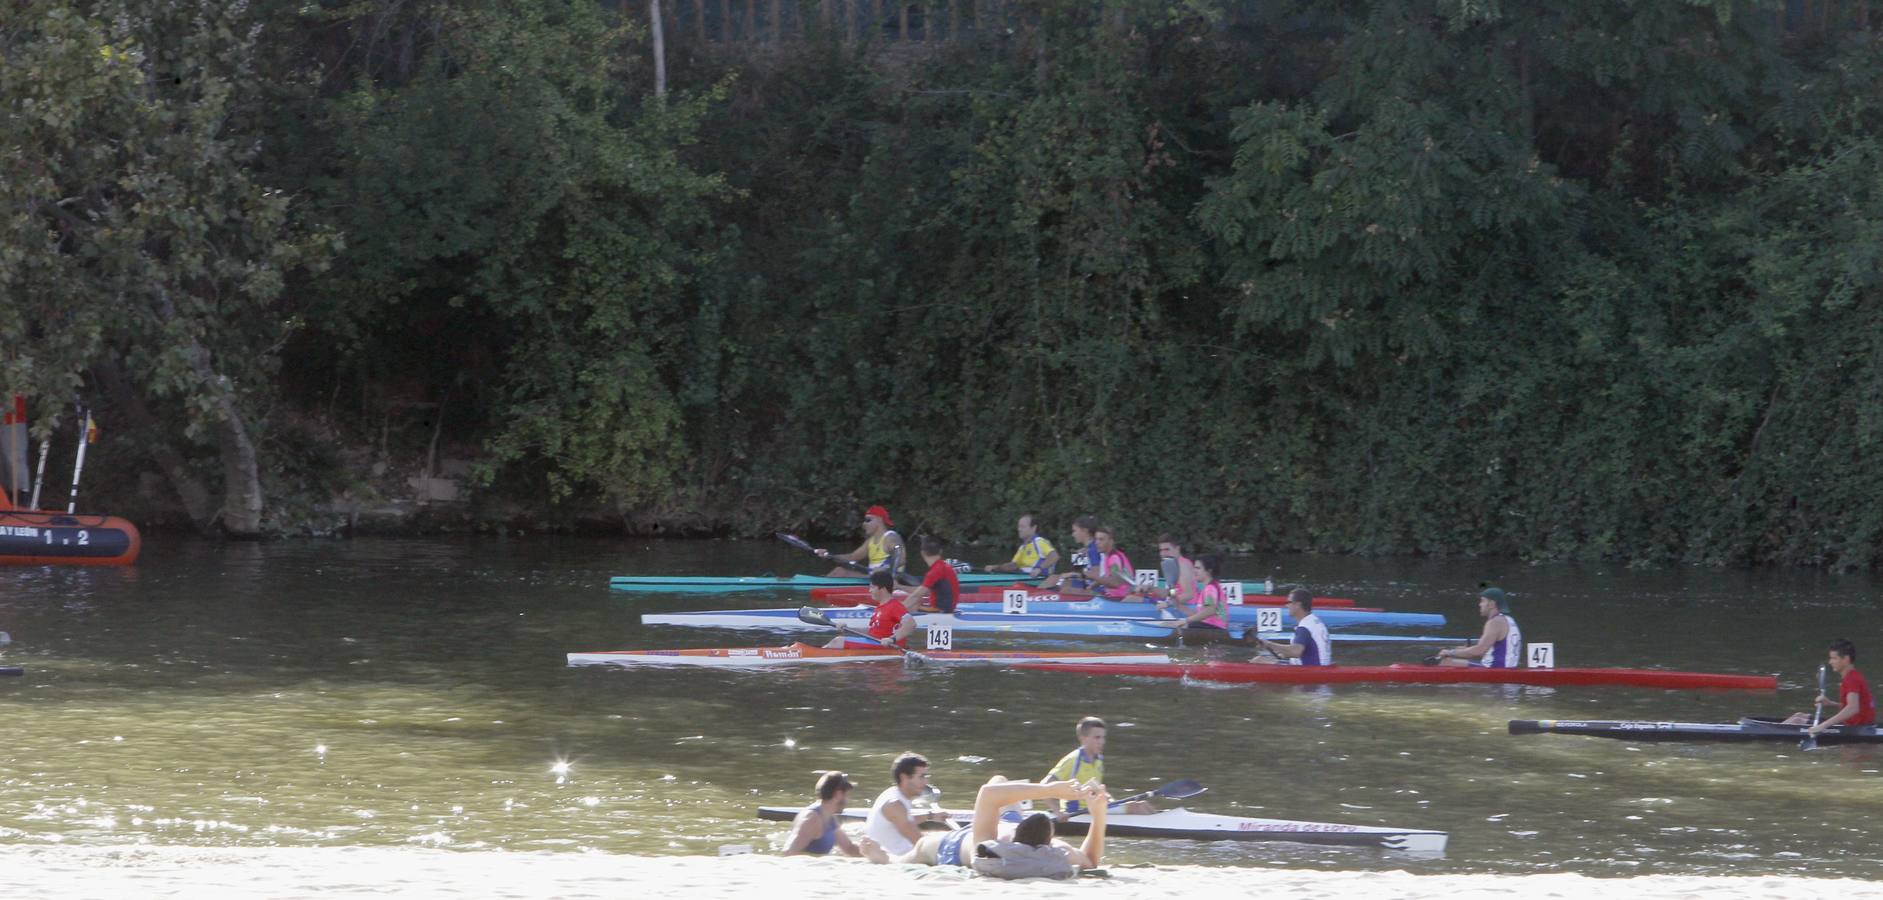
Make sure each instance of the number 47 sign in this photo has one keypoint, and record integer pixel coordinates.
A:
(1542, 656)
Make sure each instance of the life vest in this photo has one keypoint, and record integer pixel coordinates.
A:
(1011, 859)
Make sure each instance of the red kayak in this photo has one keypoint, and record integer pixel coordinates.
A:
(1415, 674)
(854, 596)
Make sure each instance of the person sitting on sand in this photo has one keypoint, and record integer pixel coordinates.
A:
(1858, 708)
(815, 829)
(890, 624)
(1086, 763)
(892, 822)
(1031, 852)
(1310, 646)
(1501, 645)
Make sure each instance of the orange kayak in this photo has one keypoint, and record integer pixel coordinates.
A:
(45, 538)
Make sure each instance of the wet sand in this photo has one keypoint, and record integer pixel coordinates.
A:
(113, 873)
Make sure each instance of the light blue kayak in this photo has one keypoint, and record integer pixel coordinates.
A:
(1238, 615)
(1089, 610)
(994, 623)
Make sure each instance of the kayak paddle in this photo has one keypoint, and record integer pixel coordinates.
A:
(1811, 741)
(1176, 790)
(811, 615)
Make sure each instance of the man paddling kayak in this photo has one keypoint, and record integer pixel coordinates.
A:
(1212, 607)
(1108, 575)
(815, 829)
(1857, 707)
(881, 547)
(1036, 557)
(1032, 852)
(1310, 646)
(1085, 556)
(1086, 763)
(1176, 570)
(941, 587)
(892, 824)
(890, 623)
(1501, 645)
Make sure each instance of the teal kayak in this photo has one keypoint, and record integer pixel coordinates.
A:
(711, 584)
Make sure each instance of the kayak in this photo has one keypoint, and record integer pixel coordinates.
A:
(1750, 728)
(807, 654)
(1089, 610)
(12, 670)
(708, 584)
(1182, 824)
(1416, 674)
(1068, 627)
(854, 596)
(43, 538)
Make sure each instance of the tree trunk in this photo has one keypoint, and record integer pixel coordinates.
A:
(660, 49)
(127, 402)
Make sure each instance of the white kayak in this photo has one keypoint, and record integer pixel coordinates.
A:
(809, 654)
(1183, 824)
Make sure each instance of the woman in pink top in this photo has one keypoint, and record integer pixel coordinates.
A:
(1212, 608)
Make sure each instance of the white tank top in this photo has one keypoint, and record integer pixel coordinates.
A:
(879, 827)
(1507, 653)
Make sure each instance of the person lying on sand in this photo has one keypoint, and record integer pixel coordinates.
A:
(1031, 853)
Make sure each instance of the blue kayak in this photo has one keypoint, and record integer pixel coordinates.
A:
(1238, 615)
(1030, 623)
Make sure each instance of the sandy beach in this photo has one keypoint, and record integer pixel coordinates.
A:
(133, 871)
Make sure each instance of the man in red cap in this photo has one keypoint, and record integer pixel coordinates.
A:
(882, 547)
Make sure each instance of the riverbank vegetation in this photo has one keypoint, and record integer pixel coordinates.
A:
(1592, 279)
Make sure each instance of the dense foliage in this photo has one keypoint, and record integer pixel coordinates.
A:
(1589, 279)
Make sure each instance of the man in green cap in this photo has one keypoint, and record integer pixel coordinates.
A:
(1501, 645)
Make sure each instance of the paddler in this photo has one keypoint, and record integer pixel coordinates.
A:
(1036, 557)
(1109, 576)
(1310, 645)
(815, 829)
(1086, 763)
(893, 824)
(890, 623)
(1501, 645)
(1211, 609)
(1083, 537)
(941, 587)
(1030, 852)
(1856, 707)
(881, 548)
(1176, 570)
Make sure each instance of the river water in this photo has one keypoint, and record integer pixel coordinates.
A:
(413, 693)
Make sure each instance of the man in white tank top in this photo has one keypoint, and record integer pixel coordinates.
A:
(892, 821)
(1501, 645)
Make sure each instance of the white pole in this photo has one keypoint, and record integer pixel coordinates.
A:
(39, 478)
(78, 468)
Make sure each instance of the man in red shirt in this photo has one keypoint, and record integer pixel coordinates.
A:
(890, 624)
(1858, 708)
(941, 587)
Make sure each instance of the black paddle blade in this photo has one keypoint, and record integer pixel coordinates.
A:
(1179, 790)
(814, 616)
(795, 541)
